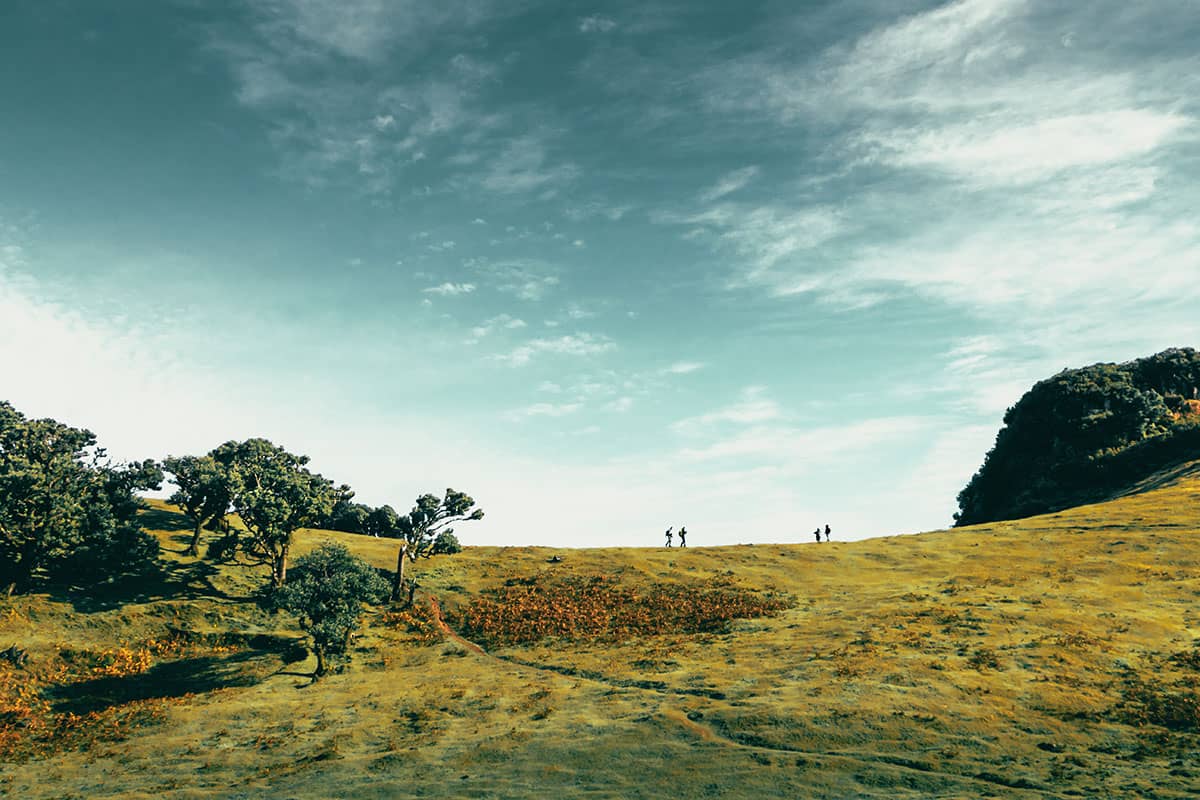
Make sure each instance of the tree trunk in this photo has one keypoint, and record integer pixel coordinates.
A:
(279, 569)
(320, 654)
(398, 580)
(12, 587)
(194, 547)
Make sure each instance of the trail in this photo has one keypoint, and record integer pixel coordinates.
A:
(711, 736)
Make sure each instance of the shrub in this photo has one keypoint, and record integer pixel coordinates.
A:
(590, 608)
(326, 593)
(446, 544)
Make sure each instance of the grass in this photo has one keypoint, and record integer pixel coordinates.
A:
(1049, 657)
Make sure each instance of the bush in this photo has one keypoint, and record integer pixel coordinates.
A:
(446, 544)
(601, 608)
(326, 593)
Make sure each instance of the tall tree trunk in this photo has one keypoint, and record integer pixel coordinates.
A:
(320, 653)
(279, 569)
(194, 547)
(398, 579)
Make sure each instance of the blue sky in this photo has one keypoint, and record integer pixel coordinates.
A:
(609, 267)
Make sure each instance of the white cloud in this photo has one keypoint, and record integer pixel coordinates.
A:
(684, 367)
(544, 410)
(450, 289)
(752, 407)
(729, 183)
(807, 448)
(596, 24)
(1021, 152)
(523, 166)
(578, 345)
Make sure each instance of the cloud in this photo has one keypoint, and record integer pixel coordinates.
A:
(728, 184)
(596, 24)
(504, 322)
(752, 407)
(578, 345)
(450, 289)
(807, 449)
(526, 279)
(1023, 152)
(544, 410)
(523, 166)
(684, 367)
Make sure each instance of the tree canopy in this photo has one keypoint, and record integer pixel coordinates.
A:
(67, 514)
(274, 495)
(326, 594)
(204, 492)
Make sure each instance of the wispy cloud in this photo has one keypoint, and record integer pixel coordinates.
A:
(752, 407)
(596, 24)
(578, 345)
(728, 184)
(524, 166)
(684, 367)
(450, 289)
(554, 410)
(525, 279)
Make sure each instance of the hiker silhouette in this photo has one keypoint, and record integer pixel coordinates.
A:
(827, 533)
(669, 535)
(682, 536)
(817, 533)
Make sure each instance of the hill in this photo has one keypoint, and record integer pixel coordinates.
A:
(1089, 434)
(1049, 657)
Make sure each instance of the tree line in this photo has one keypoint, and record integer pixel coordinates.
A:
(69, 516)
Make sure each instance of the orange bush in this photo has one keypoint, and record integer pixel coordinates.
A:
(601, 608)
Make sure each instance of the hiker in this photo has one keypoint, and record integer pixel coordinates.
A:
(827, 532)
(682, 536)
(669, 535)
(817, 533)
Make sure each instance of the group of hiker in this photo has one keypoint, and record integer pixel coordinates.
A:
(682, 536)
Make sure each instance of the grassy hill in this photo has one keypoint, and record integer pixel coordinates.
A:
(1047, 657)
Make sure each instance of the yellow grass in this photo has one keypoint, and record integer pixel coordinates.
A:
(1032, 658)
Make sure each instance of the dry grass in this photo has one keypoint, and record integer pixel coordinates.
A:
(1049, 657)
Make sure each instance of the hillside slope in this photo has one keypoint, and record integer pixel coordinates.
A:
(1049, 657)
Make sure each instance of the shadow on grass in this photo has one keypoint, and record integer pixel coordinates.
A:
(157, 519)
(165, 581)
(266, 656)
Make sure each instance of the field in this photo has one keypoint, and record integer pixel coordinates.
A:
(1050, 657)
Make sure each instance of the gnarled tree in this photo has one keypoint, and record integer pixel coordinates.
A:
(275, 496)
(419, 529)
(203, 494)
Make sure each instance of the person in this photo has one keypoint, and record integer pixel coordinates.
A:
(827, 531)
(817, 533)
(682, 536)
(669, 535)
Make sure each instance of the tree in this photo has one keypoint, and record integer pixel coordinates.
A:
(346, 515)
(66, 513)
(381, 522)
(326, 593)
(275, 496)
(419, 530)
(203, 495)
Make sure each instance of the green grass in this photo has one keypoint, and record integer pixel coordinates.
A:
(1047, 657)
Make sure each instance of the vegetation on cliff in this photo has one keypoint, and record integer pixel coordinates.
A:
(1087, 434)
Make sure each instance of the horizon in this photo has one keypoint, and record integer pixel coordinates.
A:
(605, 267)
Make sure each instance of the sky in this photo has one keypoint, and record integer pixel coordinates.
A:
(608, 267)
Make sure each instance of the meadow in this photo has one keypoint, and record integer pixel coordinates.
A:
(1051, 657)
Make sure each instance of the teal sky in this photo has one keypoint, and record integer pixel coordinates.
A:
(608, 267)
